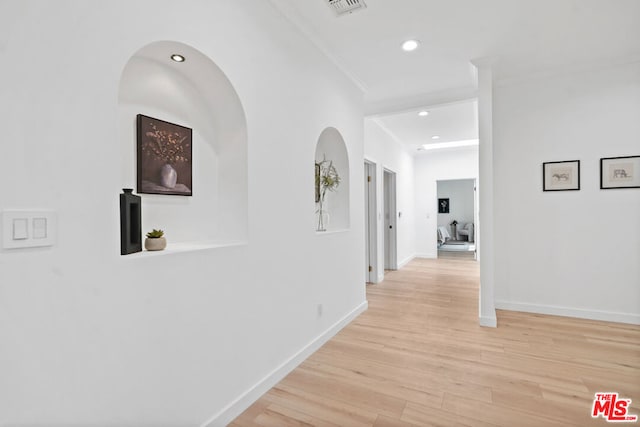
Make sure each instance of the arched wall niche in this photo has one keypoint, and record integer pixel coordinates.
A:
(197, 94)
(331, 146)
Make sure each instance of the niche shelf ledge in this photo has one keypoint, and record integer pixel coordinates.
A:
(342, 230)
(185, 247)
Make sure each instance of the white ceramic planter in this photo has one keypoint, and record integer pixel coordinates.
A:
(155, 244)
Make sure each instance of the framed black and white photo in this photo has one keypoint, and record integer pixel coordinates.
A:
(620, 172)
(561, 176)
(443, 205)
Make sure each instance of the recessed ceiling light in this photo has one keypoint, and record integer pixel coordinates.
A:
(410, 45)
(423, 113)
(435, 137)
(177, 58)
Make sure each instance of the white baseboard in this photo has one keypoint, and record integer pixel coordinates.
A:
(608, 316)
(405, 261)
(488, 322)
(426, 255)
(239, 405)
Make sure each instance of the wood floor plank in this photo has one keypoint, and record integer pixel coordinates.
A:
(280, 416)
(417, 357)
(383, 421)
(428, 417)
(348, 391)
(327, 409)
(515, 414)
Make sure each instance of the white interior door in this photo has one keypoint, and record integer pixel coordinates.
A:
(390, 221)
(370, 222)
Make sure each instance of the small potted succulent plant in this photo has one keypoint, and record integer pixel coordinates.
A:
(155, 240)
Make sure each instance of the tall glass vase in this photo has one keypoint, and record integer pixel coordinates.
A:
(323, 218)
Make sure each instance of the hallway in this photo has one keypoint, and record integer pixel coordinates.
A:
(417, 357)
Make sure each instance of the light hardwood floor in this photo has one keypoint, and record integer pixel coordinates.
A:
(457, 255)
(417, 357)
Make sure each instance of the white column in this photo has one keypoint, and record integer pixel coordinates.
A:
(485, 242)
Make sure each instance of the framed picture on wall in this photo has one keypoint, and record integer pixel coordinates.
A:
(443, 205)
(620, 172)
(561, 176)
(317, 182)
(165, 157)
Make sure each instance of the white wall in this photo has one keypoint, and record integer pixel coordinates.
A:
(575, 252)
(460, 195)
(88, 337)
(430, 167)
(380, 148)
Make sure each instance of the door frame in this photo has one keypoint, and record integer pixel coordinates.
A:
(371, 222)
(473, 181)
(390, 220)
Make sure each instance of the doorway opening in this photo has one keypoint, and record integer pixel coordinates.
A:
(457, 218)
(390, 221)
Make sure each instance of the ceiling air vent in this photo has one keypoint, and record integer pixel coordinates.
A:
(343, 7)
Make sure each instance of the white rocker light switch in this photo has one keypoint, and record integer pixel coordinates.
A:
(39, 228)
(20, 229)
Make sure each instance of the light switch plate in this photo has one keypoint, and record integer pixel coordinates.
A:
(28, 228)
(40, 228)
(20, 229)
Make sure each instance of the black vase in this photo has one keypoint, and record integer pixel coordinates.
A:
(130, 222)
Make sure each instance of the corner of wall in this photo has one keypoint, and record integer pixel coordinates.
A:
(406, 261)
(488, 321)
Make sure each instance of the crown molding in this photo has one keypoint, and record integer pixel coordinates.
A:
(299, 24)
(409, 149)
(485, 61)
(392, 135)
(425, 100)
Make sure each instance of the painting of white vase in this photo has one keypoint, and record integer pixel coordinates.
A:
(165, 157)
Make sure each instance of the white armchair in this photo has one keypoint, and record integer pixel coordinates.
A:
(443, 235)
(466, 231)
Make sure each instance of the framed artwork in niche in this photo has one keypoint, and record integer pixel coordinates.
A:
(165, 157)
(443, 205)
(620, 172)
(561, 176)
(317, 182)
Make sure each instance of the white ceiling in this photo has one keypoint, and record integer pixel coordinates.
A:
(453, 122)
(522, 36)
